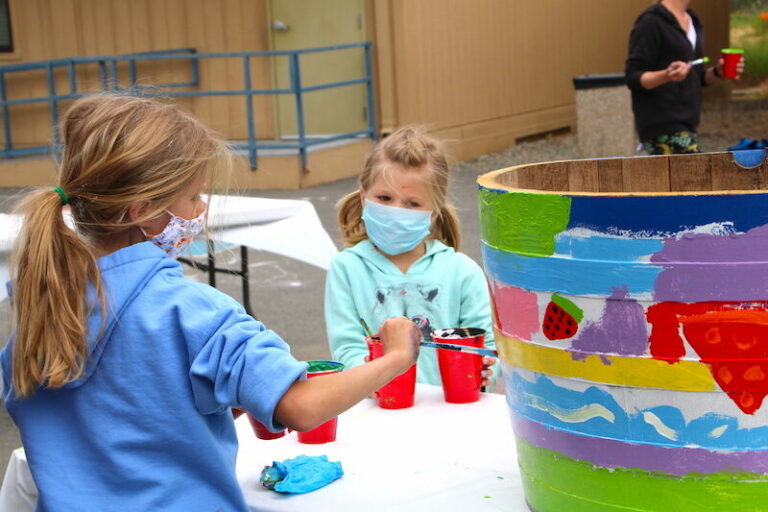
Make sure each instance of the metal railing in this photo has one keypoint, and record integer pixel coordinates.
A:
(108, 67)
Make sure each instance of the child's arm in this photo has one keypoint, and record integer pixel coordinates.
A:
(309, 403)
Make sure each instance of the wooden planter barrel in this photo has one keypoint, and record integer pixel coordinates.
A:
(630, 303)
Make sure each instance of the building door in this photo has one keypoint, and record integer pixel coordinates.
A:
(297, 24)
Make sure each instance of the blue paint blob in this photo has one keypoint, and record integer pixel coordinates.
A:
(749, 158)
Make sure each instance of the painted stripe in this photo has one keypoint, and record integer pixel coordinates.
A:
(618, 454)
(681, 410)
(569, 275)
(555, 482)
(652, 216)
(590, 245)
(636, 415)
(638, 371)
(524, 222)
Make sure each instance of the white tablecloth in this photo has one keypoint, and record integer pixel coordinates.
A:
(432, 456)
(289, 227)
(18, 492)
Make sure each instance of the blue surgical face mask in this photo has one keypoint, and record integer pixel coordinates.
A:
(395, 230)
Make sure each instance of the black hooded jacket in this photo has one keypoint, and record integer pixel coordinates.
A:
(657, 40)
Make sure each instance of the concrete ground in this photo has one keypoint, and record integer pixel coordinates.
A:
(287, 295)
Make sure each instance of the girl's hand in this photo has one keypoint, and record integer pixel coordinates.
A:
(487, 372)
(399, 335)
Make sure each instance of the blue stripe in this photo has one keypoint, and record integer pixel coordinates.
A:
(535, 400)
(654, 216)
(569, 275)
(605, 247)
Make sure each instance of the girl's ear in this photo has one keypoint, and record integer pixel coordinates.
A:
(361, 193)
(138, 210)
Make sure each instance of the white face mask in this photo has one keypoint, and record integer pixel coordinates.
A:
(177, 234)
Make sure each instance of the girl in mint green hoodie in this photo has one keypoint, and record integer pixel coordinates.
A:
(403, 260)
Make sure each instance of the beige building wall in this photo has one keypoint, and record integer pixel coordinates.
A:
(480, 74)
(484, 73)
(59, 29)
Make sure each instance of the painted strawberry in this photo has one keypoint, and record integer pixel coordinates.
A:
(561, 319)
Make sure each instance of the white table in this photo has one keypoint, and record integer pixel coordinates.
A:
(432, 456)
(18, 492)
(289, 227)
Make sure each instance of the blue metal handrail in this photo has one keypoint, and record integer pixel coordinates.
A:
(110, 81)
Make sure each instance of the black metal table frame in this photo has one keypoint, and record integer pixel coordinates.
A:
(212, 270)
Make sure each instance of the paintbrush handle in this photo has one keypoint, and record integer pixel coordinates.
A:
(461, 348)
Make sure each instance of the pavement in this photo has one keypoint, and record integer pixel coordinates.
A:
(287, 295)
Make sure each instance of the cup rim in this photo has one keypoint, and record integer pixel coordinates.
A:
(464, 333)
(337, 366)
(732, 50)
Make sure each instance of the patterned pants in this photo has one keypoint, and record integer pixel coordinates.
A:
(675, 143)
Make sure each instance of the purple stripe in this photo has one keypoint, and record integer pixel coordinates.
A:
(619, 454)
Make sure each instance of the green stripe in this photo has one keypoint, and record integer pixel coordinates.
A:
(555, 483)
(523, 222)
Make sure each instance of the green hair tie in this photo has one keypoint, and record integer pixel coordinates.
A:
(62, 195)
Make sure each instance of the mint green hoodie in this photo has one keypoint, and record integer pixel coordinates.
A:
(442, 289)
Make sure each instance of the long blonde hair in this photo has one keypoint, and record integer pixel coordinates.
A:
(118, 150)
(413, 149)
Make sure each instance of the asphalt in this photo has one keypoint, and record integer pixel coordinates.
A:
(287, 295)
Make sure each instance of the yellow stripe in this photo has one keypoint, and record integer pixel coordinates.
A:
(635, 371)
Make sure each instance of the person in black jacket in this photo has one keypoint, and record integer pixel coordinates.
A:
(665, 81)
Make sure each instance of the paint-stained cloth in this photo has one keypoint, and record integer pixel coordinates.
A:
(441, 290)
(148, 425)
(301, 474)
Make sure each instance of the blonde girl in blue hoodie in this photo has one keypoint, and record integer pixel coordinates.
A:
(121, 373)
(403, 237)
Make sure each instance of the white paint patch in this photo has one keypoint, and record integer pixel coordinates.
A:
(580, 415)
(659, 426)
(715, 228)
(718, 432)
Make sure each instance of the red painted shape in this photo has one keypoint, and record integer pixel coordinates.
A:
(726, 336)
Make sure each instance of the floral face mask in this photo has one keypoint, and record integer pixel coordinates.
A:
(177, 234)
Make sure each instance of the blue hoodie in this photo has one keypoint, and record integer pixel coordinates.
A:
(148, 424)
(441, 290)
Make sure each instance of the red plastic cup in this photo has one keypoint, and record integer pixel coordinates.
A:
(326, 432)
(261, 431)
(460, 371)
(731, 58)
(400, 391)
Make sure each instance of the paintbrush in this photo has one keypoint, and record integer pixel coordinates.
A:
(696, 62)
(366, 328)
(488, 352)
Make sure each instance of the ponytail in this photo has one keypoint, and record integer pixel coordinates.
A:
(52, 266)
(118, 151)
